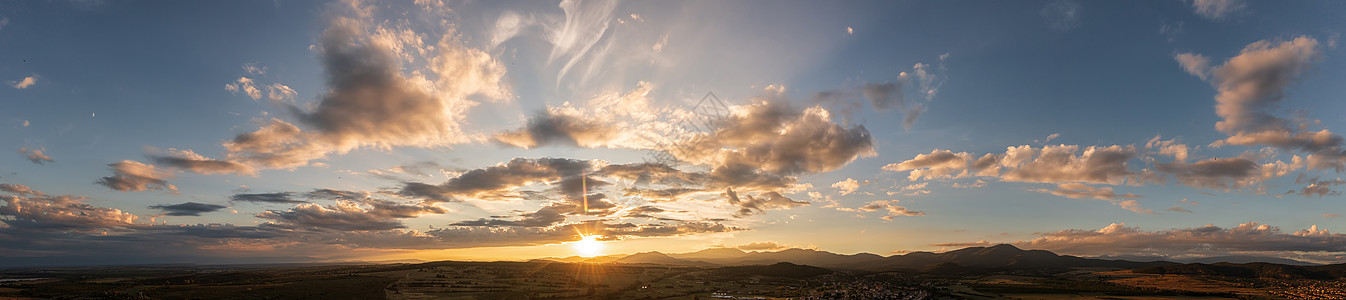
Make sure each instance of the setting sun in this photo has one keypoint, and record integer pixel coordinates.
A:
(588, 246)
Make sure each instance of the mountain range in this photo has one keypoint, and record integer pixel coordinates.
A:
(998, 257)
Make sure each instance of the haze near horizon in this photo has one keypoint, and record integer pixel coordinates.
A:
(145, 132)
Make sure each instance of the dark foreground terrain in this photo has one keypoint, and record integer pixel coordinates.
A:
(977, 273)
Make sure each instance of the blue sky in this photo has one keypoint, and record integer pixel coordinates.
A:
(262, 131)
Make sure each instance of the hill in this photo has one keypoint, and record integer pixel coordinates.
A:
(976, 259)
(783, 269)
(658, 258)
(1250, 270)
(998, 257)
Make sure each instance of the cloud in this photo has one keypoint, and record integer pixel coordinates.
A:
(1051, 137)
(846, 187)
(283, 197)
(563, 183)
(1176, 208)
(36, 156)
(1315, 187)
(545, 217)
(1195, 64)
(1218, 10)
(892, 208)
(24, 83)
(766, 138)
(911, 92)
(1249, 88)
(497, 182)
(1048, 164)
(134, 176)
(750, 205)
(936, 164)
(245, 85)
(1171, 32)
(1171, 147)
(372, 98)
(190, 161)
(772, 137)
(509, 25)
(254, 69)
(1245, 239)
(280, 92)
(981, 243)
(1081, 191)
(19, 189)
(349, 215)
(761, 246)
(1331, 215)
(975, 184)
(1227, 173)
(555, 127)
(34, 210)
(187, 209)
(616, 119)
(1061, 15)
(584, 24)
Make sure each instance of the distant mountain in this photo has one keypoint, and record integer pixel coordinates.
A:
(1243, 259)
(782, 269)
(712, 253)
(1238, 259)
(998, 257)
(581, 259)
(1001, 256)
(658, 258)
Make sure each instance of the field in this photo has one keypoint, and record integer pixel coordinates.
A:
(551, 280)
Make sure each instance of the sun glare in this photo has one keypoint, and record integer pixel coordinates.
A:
(588, 246)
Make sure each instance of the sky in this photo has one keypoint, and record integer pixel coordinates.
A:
(301, 131)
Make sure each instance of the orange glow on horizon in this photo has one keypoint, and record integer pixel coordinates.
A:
(588, 246)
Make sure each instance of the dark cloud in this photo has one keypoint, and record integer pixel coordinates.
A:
(550, 127)
(332, 194)
(497, 182)
(190, 161)
(283, 197)
(348, 215)
(750, 205)
(1218, 173)
(134, 176)
(653, 173)
(545, 217)
(187, 209)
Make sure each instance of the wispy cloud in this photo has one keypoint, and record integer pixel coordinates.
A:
(25, 82)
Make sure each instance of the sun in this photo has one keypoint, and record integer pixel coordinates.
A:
(588, 246)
